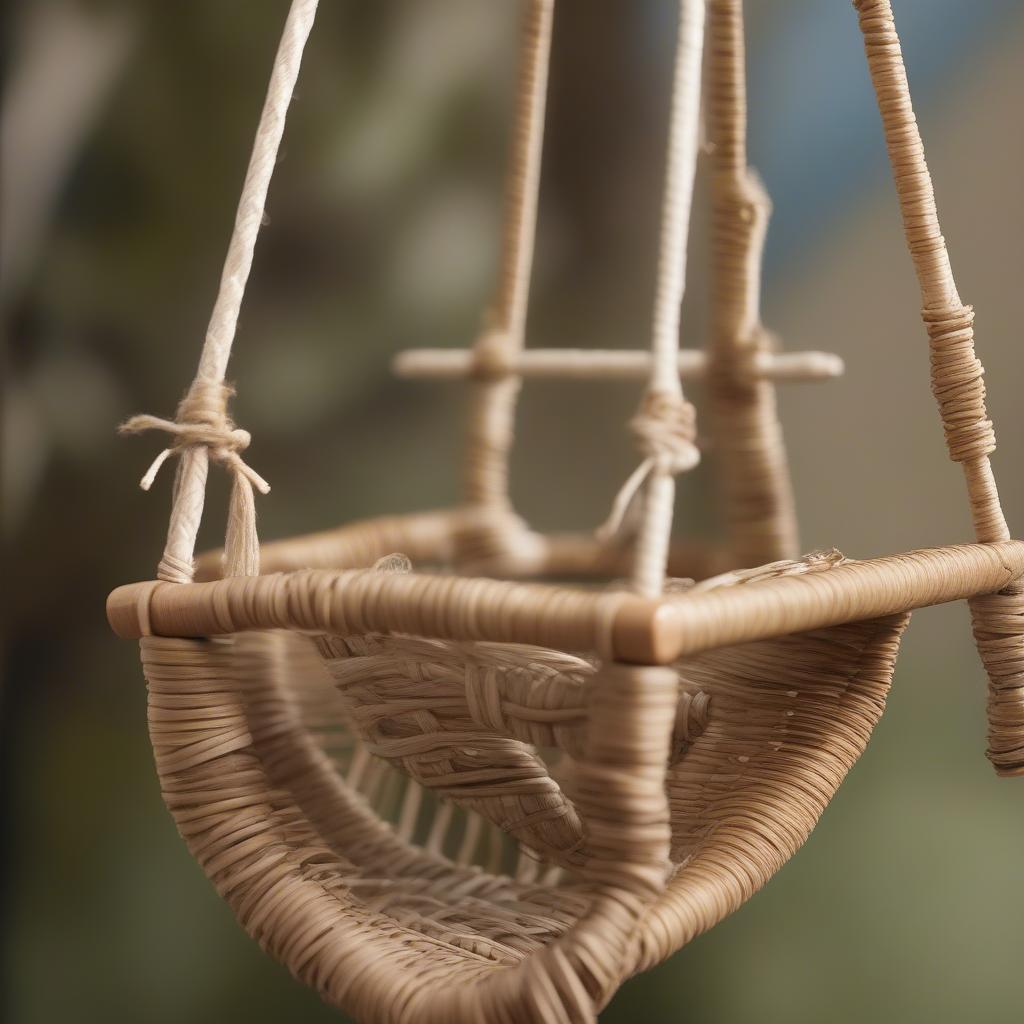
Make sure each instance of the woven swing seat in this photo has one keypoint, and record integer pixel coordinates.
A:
(357, 911)
(440, 787)
(679, 805)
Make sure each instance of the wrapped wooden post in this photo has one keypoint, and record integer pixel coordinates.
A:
(957, 381)
(495, 530)
(750, 457)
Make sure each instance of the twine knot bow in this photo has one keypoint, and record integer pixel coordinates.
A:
(665, 428)
(202, 422)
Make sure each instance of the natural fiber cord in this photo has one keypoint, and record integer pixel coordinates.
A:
(202, 429)
(665, 425)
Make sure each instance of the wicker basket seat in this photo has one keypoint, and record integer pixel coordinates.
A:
(245, 727)
(465, 794)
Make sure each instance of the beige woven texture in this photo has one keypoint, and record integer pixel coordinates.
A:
(443, 796)
(748, 437)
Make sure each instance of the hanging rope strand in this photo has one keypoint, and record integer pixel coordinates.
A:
(202, 429)
(665, 425)
(678, 197)
(957, 381)
(494, 395)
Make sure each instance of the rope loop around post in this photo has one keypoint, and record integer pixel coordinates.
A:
(202, 432)
(201, 420)
(665, 429)
(664, 425)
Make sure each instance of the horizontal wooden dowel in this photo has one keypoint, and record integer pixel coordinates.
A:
(427, 539)
(642, 631)
(848, 592)
(423, 537)
(606, 364)
(353, 602)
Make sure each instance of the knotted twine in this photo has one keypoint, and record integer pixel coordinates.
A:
(665, 430)
(664, 425)
(202, 430)
(202, 422)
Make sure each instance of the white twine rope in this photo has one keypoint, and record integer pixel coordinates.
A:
(665, 425)
(201, 428)
(223, 446)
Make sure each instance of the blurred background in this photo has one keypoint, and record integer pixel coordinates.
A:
(126, 130)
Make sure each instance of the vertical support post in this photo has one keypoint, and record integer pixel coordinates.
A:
(496, 385)
(748, 445)
(957, 381)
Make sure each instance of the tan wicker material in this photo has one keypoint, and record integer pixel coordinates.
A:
(626, 626)
(439, 797)
(595, 364)
(386, 930)
(957, 381)
(750, 457)
(491, 421)
(430, 538)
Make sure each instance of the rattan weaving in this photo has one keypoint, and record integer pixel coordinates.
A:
(440, 789)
